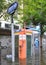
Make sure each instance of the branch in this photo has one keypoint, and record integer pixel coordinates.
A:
(3, 13)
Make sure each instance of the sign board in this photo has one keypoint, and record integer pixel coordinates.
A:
(22, 37)
(12, 8)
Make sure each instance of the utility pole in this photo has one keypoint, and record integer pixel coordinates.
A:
(11, 11)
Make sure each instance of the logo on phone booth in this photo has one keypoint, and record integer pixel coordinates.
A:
(36, 43)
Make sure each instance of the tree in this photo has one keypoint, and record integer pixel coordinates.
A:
(35, 11)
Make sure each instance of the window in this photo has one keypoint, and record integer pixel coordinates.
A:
(16, 27)
(7, 25)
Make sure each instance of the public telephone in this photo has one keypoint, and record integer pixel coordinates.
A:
(28, 45)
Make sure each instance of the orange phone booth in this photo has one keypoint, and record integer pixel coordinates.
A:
(22, 44)
(25, 46)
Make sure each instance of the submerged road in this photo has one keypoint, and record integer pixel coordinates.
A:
(30, 61)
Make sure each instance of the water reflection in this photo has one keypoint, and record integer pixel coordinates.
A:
(0, 57)
(30, 61)
(13, 63)
(22, 62)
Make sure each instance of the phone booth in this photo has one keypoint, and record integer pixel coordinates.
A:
(20, 44)
(23, 44)
(27, 45)
(36, 48)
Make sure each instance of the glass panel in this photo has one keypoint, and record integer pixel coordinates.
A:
(16, 46)
(28, 46)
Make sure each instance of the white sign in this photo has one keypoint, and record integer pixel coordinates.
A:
(22, 37)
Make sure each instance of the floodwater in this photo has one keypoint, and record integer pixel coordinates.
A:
(29, 61)
(37, 59)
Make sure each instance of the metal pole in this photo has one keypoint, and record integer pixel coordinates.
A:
(12, 39)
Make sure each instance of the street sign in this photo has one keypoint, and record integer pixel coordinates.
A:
(11, 11)
(12, 8)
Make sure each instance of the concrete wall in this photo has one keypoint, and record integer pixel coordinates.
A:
(5, 40)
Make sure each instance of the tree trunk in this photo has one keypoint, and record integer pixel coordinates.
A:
(41, 40)
(41, 43)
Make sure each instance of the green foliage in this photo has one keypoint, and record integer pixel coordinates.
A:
(1, 5)
(3, 8)
(44, 28)
(35, 10)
